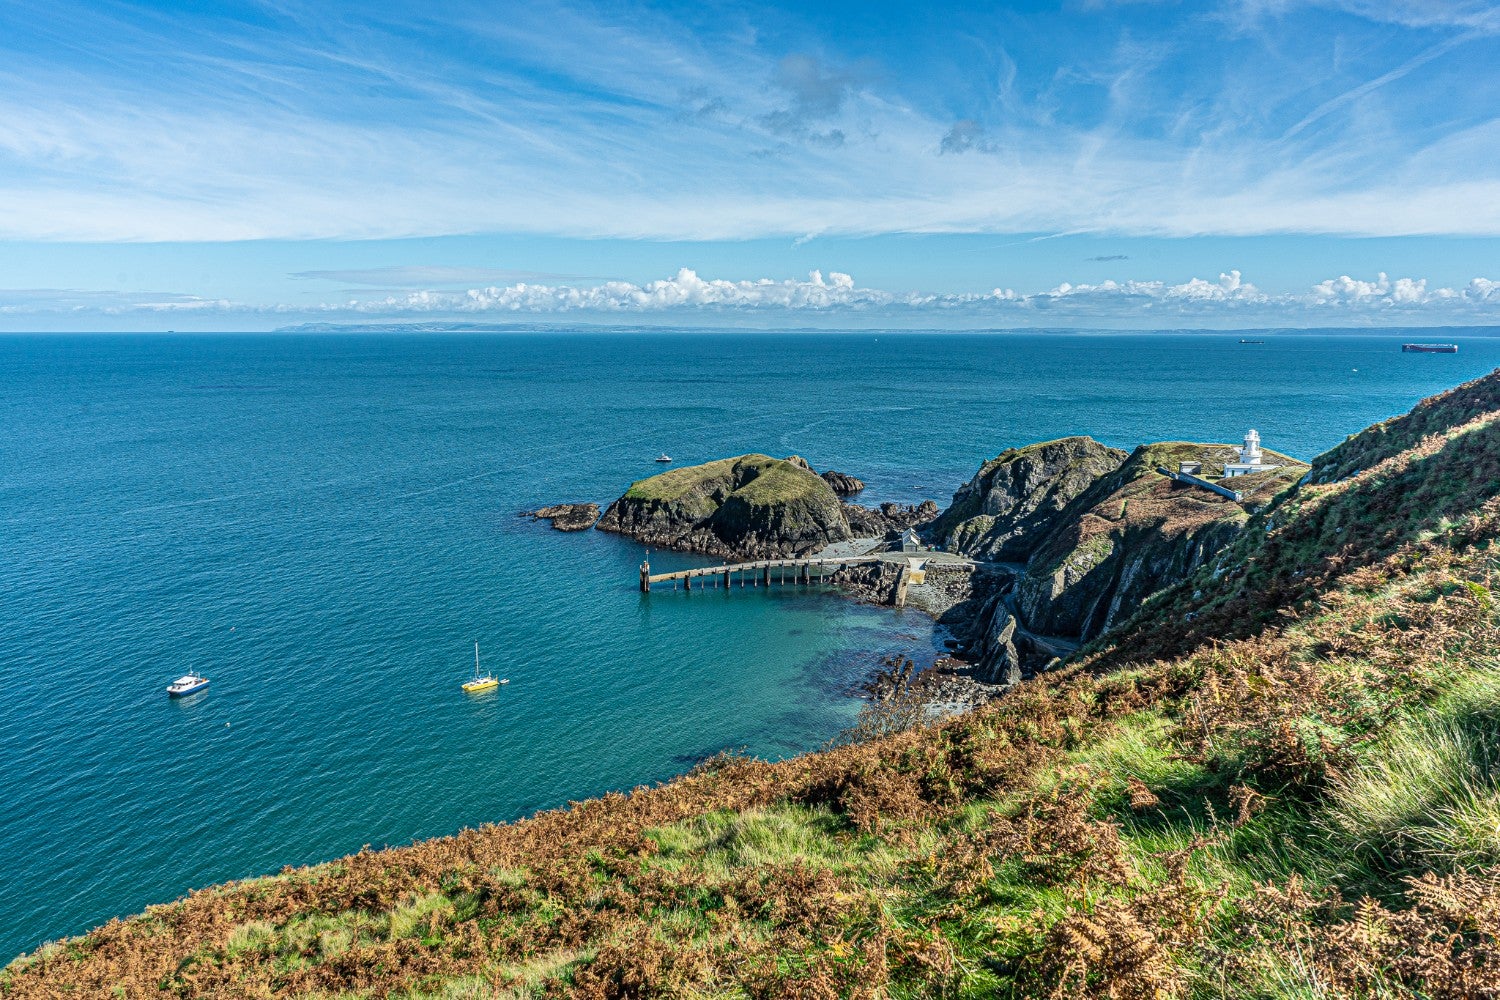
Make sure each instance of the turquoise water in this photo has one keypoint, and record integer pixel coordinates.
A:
(325, 524)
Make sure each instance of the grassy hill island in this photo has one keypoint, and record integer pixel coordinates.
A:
(1247, 748)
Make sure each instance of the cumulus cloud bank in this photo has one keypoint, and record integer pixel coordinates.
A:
(684, 291)
(837, 292)
(835, 297)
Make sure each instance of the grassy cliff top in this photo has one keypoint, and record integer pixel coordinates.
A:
(1012, 454)
(783, 482)
(676, 483)
(1292, 795)
(1213, 456)
(1431, 416)
(760, 479)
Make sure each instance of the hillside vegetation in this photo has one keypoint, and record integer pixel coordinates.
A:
(1275, 779)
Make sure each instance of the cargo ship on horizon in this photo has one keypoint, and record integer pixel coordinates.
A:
(1430, 348)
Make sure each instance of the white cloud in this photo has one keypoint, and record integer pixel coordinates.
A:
(1227, 299)
(1477, 14)
(835, 297)
(683, 291)
(1229, 288)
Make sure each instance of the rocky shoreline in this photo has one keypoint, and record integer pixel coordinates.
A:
(1059, 541)
(566, 516)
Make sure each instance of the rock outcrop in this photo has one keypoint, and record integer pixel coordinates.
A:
(753, 506)
(872, 582)
(567, 516)
(1077, 534)
(1096, 532)
(1016, 496)
(1132, 533)
(879, 522)
(843, 484)
(998, 658)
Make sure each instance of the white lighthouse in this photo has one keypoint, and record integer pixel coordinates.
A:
(1250, 458)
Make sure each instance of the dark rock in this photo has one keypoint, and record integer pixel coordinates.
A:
(874, 583)
(870, 522)
(567, 516)
(843, 484)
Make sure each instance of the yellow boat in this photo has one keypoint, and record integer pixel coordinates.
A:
(484, 682)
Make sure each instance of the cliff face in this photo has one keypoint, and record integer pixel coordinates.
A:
(1098, 532)
(1426, 477)
(747, 507)
(1133, 533)
(998, 514)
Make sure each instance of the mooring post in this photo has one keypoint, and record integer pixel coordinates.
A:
(806, 574)
(726, 578)
(646, 576)
(687, 582)
(766, 574)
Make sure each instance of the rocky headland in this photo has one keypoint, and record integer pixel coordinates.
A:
(749, 507)
(1079, 535)
(754, 507)
(1070, 536)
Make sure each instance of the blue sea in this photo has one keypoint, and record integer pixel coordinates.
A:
(324, 525)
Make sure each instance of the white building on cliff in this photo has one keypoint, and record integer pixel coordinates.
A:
(1250, 458)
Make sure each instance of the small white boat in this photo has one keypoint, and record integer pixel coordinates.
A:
(187, 684)
(664, 457)
(486, 682)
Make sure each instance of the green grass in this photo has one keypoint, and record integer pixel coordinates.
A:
(783, 482)
(255, 937)
(724, 842)
(416, 916)
(1427, 796)
(761, 481)
(677, 483)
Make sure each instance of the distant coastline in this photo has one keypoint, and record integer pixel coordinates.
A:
(581, 325)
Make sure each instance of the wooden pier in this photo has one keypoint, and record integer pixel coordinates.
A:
(759, 572)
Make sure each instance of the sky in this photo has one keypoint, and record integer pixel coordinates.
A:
(1094, 164)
